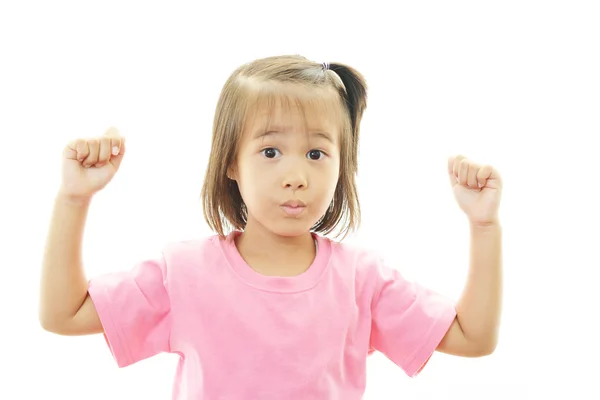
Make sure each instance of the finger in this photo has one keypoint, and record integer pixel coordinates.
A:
(116, 160)
(451, 174)
(83, 149)
(463, 171)
(453, 168)
(104, 152)
(472, 176)
(115, 143)
(70, 150)
(484, 174)
(457, 160)
(116, 140)
(94, 151)
(73, 150)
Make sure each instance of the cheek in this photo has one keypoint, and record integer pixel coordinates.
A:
(333, 171)
(328, 178)
(252, 179)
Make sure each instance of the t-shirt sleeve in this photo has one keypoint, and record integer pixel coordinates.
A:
(135, 311)
(408, 320)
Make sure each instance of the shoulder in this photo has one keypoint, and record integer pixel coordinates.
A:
(361, 257)
(193, 249)
(180, 259)
(364, 262)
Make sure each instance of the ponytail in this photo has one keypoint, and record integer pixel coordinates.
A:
(355, 94)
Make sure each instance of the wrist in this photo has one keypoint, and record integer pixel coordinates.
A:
(491, 224)
(73, 200)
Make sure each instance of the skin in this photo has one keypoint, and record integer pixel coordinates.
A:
(290, 164)
(278, 163)
(477, 189)
(88, 164)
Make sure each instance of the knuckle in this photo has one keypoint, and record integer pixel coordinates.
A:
(82, 145)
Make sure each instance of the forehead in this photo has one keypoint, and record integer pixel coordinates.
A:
(287, 108)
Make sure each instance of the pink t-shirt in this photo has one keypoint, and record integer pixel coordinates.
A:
(243, 335)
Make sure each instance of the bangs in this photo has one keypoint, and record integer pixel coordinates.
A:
(294, 107)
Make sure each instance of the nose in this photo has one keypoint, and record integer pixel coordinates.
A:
(295, 180)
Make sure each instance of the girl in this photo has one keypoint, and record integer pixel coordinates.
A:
(269, 307)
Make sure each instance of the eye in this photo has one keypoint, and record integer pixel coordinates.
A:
(315, 154)
(270, 152)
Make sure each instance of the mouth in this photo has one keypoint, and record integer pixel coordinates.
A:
(293, 203)
(293, 207)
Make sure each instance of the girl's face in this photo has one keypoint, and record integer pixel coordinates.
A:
(286, 174)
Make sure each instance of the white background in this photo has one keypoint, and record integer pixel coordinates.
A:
(513, 83)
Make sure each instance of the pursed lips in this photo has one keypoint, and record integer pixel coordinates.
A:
(293, 207)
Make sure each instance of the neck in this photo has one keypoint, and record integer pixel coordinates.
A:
(270, 253)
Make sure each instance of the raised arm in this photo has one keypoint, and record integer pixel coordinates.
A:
(65, 307)
(478, 189)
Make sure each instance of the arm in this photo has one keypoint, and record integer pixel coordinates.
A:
(65, 307)
(474, 332)
(88, 165)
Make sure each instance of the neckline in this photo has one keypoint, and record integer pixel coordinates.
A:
(281, 284)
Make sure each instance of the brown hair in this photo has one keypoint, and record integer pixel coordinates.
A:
(268, 77)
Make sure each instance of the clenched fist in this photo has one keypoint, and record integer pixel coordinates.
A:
(89, 164)
(477, 189)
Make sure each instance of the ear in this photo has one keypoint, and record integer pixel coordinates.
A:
(231, 173)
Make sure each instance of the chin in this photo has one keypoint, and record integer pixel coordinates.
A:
(290, 227)
(290, 231)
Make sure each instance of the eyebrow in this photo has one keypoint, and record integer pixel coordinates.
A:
(273, 132)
